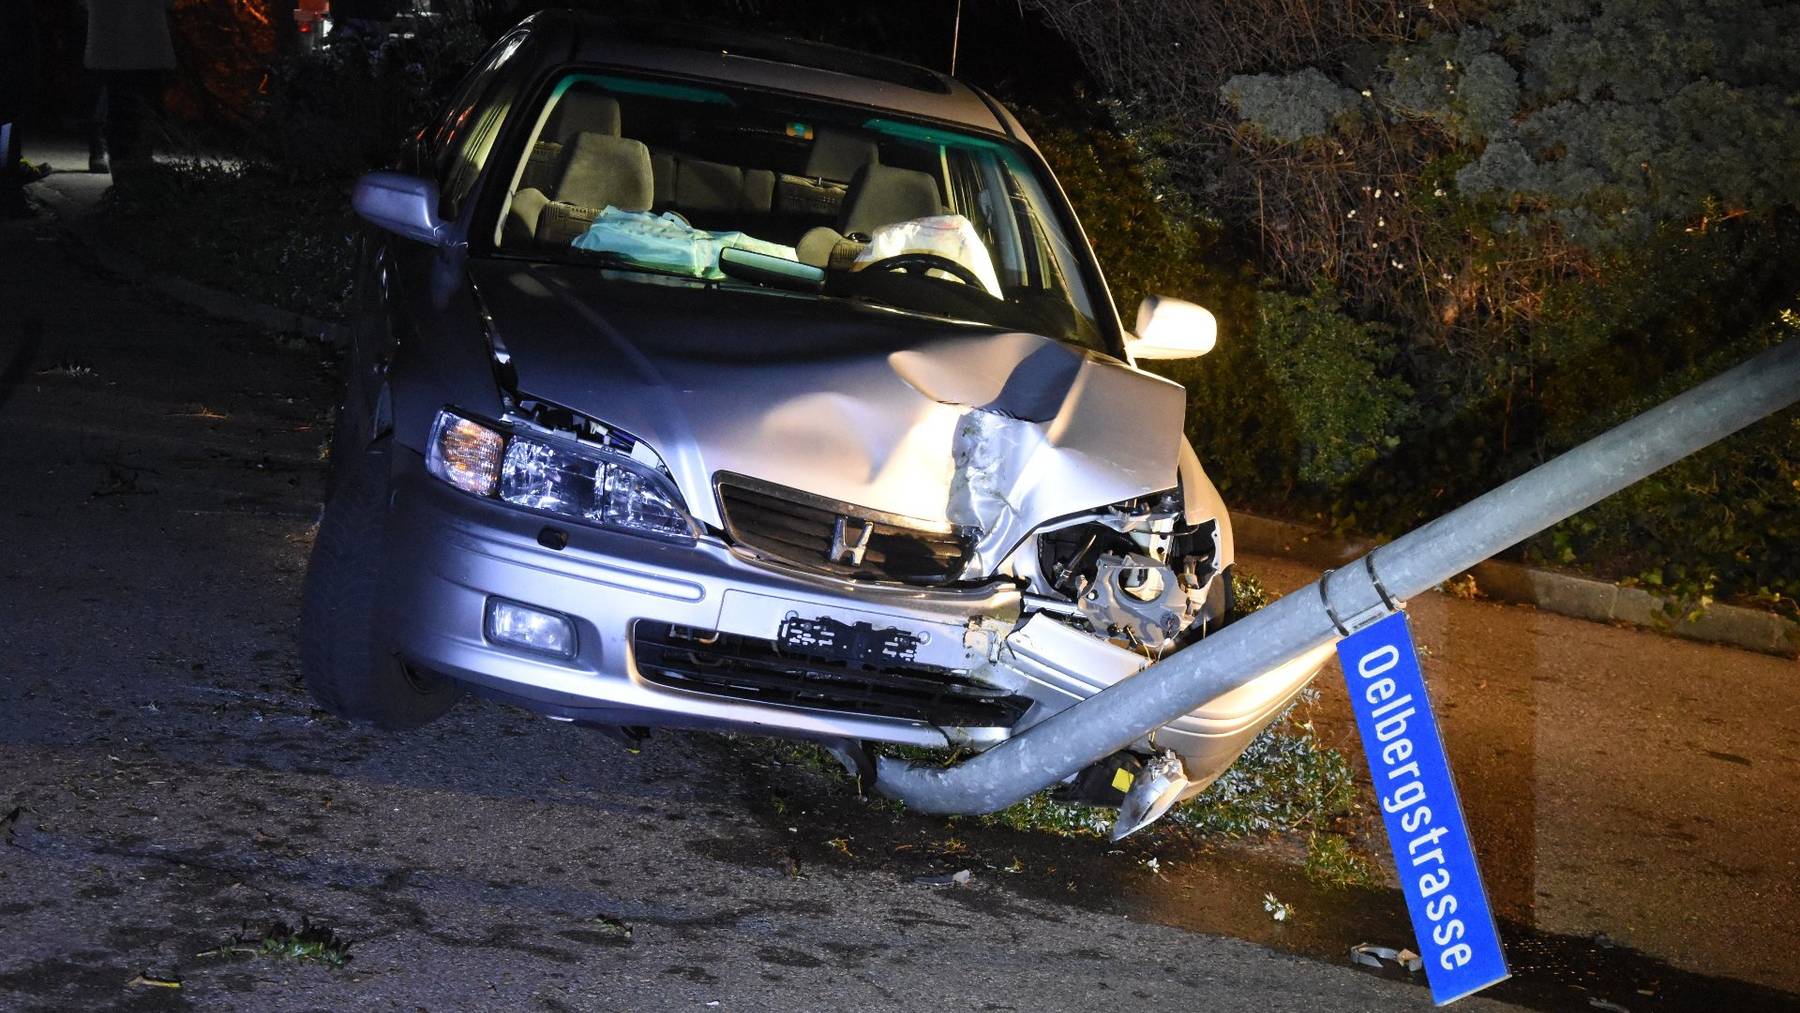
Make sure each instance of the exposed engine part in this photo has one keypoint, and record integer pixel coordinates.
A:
(1157, 569)
(1136, 598)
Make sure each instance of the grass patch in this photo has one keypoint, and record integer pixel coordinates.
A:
(1332, 860)
(1247, 592)
(1042, 814)
(1286, 780)
(309, 944)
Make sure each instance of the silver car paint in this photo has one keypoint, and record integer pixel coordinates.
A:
(862, 407)
(856, 404)
(466, 550)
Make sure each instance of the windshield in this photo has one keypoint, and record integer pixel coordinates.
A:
(658, 180)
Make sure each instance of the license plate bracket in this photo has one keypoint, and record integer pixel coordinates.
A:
(862, 644)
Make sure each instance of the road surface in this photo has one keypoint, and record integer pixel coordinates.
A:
(168, 793)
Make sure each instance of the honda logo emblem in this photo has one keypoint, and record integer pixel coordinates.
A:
(849, 540)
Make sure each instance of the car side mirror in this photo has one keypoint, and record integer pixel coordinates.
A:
(1171, 329)
(401, 204)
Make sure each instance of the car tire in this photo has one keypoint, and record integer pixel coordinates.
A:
(350, 672)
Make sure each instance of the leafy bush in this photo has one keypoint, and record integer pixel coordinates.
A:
(278, 225)
(1328, 370)
(337, 112)
(1286, 780)
(1290, 107)
(1532, 220)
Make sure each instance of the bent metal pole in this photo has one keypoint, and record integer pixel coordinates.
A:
(1346, 598)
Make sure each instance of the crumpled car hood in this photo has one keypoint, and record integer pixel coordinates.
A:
(848, 402)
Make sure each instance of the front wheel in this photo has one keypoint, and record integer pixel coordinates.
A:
(343, 661)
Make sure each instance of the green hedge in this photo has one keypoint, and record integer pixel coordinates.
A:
(1306, 411)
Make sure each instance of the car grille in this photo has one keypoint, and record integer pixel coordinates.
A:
(796, 528)
(749, 668)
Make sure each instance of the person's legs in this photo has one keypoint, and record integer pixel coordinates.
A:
(12, 178)
(150, 109)
(94, 87)
(133, 97)
(114, 111)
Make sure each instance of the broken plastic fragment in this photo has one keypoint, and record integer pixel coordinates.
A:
(961, 877)
(1374, 956)
(1157, 788)
(154, 981)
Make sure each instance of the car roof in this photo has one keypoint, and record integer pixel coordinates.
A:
(773, 62)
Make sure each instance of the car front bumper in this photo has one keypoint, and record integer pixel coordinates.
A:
(449, 553)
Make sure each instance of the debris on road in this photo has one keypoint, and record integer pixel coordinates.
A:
(1370, 955)
(1463, 587)
(153, 981)
(961, 877)
(74, 369)
(613, 926)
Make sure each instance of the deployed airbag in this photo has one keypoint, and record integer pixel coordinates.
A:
(666, 242)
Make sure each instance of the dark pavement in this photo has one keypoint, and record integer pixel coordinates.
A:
(166, 786)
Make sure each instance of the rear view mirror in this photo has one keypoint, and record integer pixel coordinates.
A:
(1171, 329)
(401, 204)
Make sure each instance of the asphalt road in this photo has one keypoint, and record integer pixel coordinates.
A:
(167, 792)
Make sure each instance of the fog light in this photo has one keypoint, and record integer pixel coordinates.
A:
(530, 629)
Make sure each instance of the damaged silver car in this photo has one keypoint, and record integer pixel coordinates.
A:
(741, 384)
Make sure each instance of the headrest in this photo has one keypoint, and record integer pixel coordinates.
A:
(583, 112)
(836, 156)
(599, 169)
(880, 195)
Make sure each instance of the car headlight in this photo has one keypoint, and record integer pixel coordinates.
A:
(586, 484)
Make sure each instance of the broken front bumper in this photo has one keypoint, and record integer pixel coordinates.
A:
(699, 636)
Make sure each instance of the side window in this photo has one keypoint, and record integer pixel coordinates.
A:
(466, 134)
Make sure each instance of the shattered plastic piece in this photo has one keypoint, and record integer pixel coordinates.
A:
(982, 635)
(1155, 791)
(1374, 956)
(961, 877)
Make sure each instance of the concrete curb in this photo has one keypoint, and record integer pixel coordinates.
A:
(1562, 593)
(210, 301)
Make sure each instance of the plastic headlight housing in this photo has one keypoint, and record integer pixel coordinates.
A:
(465, 453)
(587, 484)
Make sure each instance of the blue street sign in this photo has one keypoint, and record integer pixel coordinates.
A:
(1458, 942)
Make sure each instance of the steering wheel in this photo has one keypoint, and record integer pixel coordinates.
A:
(922, 262)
